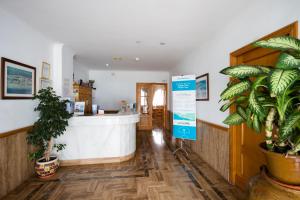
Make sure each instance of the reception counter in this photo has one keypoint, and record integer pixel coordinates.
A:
(98, 139)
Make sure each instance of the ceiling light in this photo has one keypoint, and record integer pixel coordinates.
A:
(138, 42)
(107, 65)
(117, 58)
(137, 59)
(162, 43)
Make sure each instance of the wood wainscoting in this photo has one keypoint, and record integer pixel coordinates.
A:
(15, 167)
(212, 145)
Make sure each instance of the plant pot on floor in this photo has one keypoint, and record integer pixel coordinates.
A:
(284, 168)
(46, 169)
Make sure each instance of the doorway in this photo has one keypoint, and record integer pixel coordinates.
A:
(245, 154)
(152, 104)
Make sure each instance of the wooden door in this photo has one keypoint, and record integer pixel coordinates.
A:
(144, 95)
(159, 112)
(246, 157)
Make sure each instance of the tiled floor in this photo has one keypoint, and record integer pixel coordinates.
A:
(154, 173)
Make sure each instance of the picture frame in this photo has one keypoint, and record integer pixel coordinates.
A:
(45, 83)
(18, 80)
(202, 87)
(45, 70)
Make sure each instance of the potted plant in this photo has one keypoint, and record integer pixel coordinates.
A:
(52, 122)
(269, 98)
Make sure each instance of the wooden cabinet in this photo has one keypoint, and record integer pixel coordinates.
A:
(84, 94)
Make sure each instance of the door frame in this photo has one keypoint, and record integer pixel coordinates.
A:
(167, 98)
(292, 30)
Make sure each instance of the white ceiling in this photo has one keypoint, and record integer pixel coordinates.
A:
(98, 30)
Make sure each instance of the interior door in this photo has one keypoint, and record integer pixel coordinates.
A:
(246, 157)
(144, 105)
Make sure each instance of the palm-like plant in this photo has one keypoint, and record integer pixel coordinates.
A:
(268, 97)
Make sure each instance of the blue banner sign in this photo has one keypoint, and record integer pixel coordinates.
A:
(184, 107)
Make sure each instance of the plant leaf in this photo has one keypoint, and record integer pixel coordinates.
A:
(286, 61)
(256, 124)
(255, 106)
(233, 119)
(242, 71)
(283, 43)
(235, 90)
(290, 124)
(241, 112)
(249, 118)
(280, 79)
(226, 106)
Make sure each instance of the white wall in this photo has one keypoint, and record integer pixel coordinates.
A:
(20, 42)
(248, 26)
(80, 71)
(114, 86)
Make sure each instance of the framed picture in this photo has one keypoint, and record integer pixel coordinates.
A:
(18, 80)
(45, 71)
(45, 83)
(202, 88)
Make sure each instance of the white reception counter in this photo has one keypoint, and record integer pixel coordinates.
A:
(99, 139)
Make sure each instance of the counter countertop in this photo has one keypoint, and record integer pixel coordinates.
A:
(106, 119)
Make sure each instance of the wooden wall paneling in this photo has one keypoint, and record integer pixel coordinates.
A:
(15, 167)
(212, 144)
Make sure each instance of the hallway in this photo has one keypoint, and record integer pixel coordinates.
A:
(154, 173)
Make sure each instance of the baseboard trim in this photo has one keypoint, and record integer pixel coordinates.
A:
(92, 161)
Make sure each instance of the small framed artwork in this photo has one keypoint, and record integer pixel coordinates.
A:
(18, 80)
(45, 71)
(202, 88)
(45, 83)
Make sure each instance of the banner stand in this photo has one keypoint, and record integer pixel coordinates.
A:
(182, 149)
(184, 110)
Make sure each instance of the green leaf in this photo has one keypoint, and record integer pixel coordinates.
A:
(256, 124)
(290, 124)
(233, 119)
(286, 61)
(226, 106)
(235, 90)
(242, 112)
(280, 79)
(242, 71)
(254, 104)
(249, 118)
(284, 43)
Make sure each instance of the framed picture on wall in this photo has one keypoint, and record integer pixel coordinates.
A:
(202, 88)
(45, 70)
(18, 80)
(45, 83)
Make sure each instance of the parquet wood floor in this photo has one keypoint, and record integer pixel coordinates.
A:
(154, 173)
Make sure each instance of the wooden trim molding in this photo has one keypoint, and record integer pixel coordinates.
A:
(92, 161)
(16, 131)
(214, 125)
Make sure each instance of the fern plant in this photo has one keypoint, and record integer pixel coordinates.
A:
(52, 122)
(268, 97)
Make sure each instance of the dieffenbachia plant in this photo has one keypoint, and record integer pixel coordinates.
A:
(268, 97)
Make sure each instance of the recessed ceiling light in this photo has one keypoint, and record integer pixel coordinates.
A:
(107, 65)
(162, 43)
(137, 59)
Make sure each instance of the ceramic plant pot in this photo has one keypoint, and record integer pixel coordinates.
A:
(46, 169)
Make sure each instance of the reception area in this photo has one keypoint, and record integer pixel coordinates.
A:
(149, 99)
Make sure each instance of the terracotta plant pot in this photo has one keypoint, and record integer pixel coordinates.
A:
(284, 168)
(46, 169)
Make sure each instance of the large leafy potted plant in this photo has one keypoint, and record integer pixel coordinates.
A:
(52, 122)
(269, 98)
